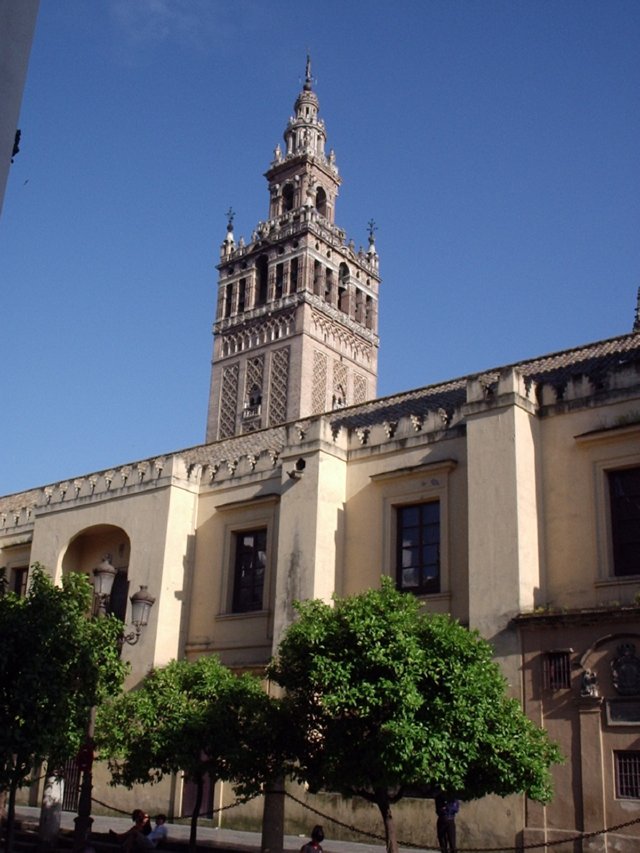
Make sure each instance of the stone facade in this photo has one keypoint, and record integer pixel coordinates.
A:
(522, 483)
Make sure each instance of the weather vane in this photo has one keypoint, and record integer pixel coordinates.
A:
(230, 215)
(372, 227)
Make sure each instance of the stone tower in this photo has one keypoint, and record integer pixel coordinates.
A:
(296, 328)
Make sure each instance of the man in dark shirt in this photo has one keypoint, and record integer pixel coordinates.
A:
(446, 809)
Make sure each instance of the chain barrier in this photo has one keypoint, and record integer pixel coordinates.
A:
(518, 847)
(208, 813)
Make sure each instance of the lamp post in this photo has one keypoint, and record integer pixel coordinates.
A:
(141, 604)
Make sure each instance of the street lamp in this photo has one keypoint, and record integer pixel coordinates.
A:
(141, 604)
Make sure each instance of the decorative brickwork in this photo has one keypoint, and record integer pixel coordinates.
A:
(229, 401)
(340, 375)
(359, 388)
(278, 386)
(319, 395)
(253, 378)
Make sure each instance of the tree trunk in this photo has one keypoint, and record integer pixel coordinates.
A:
(51, 812)
(391, 840)
(273, 817)
(11, 816)
(195, 814)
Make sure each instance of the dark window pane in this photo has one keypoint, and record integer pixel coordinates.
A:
(250, 563)
(624, 499)
(418, 548)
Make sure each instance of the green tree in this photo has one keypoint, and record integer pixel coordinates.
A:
(196, 717)
(56, 663)
(388, 700)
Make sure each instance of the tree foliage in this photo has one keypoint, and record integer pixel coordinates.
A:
(193, 717)
(388, 700)
(56, 663)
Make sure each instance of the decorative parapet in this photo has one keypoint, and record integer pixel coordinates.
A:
(20, 509)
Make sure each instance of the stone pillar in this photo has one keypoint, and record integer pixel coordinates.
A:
(504, 558)
(593, 805)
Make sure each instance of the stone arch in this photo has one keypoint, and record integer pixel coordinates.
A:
(87, 549)
(288, 192)
(321, 201)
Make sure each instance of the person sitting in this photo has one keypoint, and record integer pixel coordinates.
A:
(314, 845)
(160, 831)
(137, 836)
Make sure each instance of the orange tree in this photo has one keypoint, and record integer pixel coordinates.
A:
(384, 699)
(195, 717)
(56, 663)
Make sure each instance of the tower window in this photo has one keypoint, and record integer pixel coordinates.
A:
(328, 285)
(279, 280)
(368, 312)
(343, 288)
(262, 272)
(293, 275)
(242, 294)
(316, 277)
(287, 197)
(321, 201)
(228, 298)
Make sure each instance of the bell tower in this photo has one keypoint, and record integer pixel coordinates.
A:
(296, 327)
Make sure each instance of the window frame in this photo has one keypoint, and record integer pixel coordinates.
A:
(262, 533)
(426, 585)
(614, 519)
(416, 485)
(550, 670)
(632, 755)
(260, 513)
(604, 525)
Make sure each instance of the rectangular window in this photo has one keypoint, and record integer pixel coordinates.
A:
(19, 581)
(228, 300)
(293, 280)
(279, 280)
(250, 565)
(624, 501)
(627, 775)
(418, 548)
(557, 670)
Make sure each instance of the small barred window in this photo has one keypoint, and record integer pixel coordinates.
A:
(557, 670)
(628, 775)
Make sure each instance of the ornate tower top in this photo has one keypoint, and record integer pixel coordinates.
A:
(296, 327)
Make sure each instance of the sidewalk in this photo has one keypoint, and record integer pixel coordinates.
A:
(217, 839)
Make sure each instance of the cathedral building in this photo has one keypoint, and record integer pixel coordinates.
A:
(509, 498)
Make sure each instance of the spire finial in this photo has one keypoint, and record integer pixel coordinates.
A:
(308, 79)
(636, 321)
(230, 216)
(371, 228)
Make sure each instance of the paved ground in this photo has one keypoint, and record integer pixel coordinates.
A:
(222, 839)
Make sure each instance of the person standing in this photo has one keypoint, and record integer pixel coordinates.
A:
(446, 809)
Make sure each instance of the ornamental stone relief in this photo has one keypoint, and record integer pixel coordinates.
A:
(229, 401)
(319, 393)
(625, 670)
(278, 387)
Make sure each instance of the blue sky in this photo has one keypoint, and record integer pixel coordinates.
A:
(496, 145)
